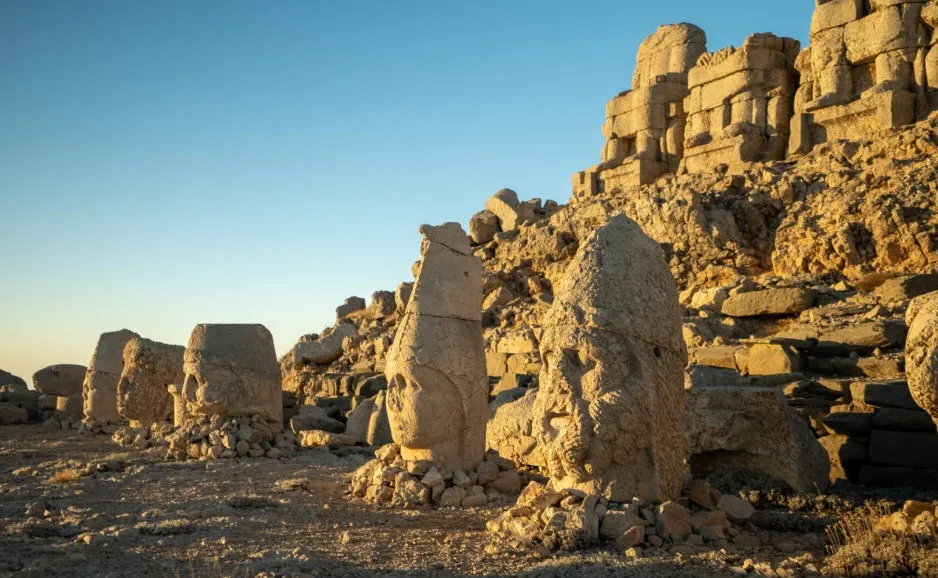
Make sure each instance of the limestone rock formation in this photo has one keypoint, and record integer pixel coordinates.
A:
(746, 430)
(644, 126)
(437, 387)
(609, 411)
(149, 367)
(740, 103)
(100, 386)
(921, 352)
(231, 371)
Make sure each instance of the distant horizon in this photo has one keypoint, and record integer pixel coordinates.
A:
(180, 163)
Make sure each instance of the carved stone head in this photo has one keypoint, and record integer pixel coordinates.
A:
(609, 412)
(437, 385)
(232, 371)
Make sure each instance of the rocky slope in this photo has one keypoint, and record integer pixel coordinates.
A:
(794, 275)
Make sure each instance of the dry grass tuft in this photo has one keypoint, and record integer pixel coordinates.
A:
(861, 548)
(66, 476)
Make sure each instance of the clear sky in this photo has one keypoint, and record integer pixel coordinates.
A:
(166, 163)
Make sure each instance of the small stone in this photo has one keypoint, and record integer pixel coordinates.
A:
(632, 537)
(735, 508)
(487, 472)
(673, 519)
(475, 500)
(452, 497)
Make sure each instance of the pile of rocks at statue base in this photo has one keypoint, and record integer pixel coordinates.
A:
(211, 438)
(703, 519)
(389, 480)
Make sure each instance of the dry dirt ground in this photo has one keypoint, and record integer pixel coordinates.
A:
(75, 505)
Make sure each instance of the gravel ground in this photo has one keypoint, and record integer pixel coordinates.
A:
(75, 505)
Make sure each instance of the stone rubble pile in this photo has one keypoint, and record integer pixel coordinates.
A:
(390, 480)
(211, 438)
(702, 519)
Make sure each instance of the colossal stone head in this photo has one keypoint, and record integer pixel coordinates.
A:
(437, 386)
(609, 412)
(149, 366)
(232, 371)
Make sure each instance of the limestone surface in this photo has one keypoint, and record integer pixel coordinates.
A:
(149, 367)
(99, 390)
(231, 371)
(437, 384)
(609, 410)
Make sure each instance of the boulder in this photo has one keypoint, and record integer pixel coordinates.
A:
(891, 393)
(382, 304)
(510, 212)
(351, 305)
(773, 359)
(907, 287)
(402, 295)
(787, 301)
(315, 418)
(483, 226)
(753, 430)
(7, 378)
(324, 350)
(510, 428)
(62, 379)
(11, 414)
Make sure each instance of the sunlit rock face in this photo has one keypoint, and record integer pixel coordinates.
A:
(610, 409)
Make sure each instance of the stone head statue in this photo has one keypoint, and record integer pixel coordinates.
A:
(609, 411)
(437, 386)
(231, 370)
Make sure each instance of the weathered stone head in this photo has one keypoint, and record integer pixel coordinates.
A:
(437, 385)
(610, 409)
(149, 366)
(232, 371)
(99, 390)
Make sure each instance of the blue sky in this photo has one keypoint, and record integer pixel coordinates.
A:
(170, 163)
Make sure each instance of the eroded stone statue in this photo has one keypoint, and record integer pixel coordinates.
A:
(437, 384)
(99, 390)
(149, 367)
(921, 352)
(610, 409)
(232, 371)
